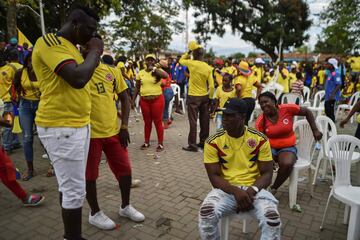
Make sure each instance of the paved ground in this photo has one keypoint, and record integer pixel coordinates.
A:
(173, 186)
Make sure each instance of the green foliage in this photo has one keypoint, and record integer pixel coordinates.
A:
(237, 55)
(145, 26)
(261, 22)
(55, 12)
(343, 27)
(252, 55)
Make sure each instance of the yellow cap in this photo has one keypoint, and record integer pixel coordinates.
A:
(193, 45)
(150, 56)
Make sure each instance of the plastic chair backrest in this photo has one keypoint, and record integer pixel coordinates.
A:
(306, 91)
(305, 139)
(318, 97)
(291, 98)
(175, 88)
(342, 148)
(327, 127)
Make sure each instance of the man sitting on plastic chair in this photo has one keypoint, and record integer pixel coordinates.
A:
(239, 165)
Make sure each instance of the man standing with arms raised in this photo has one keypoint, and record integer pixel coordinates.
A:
(63, 116)
(201, 91)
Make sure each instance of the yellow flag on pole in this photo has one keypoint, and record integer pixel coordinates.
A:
(23, 39)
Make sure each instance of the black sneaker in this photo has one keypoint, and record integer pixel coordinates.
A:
(190, 149)
(200, 145)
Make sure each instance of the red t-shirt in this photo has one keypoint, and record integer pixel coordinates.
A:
(280, 134)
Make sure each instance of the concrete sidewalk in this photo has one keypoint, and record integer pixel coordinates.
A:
(174, 183)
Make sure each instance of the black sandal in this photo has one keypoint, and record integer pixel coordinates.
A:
(145, 146)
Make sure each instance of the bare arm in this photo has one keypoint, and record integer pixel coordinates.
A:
(79, 75)
(125, 108)
(238, 90)
(266, 172)
(311, 120)
(259, 89)
(123, 73)
(355, 109)
(136, 91)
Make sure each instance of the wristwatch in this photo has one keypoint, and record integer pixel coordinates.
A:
(255, 188)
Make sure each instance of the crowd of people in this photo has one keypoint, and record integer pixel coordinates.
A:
(73, 96)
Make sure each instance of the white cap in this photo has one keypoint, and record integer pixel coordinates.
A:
(271, 70)
(294, 63)
(259, 60)
(333, 62)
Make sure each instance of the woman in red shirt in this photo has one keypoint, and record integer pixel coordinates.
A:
(276, 123)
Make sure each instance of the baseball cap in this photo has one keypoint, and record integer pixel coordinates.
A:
(333, 62)
(150, 56)
(193, 45)
(234, 105)
(13, 40)
(244, 68)
(259, 61)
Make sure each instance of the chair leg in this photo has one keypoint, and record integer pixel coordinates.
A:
(346, 214)
(293, 187)
(309, 183)
(354, 229)
(245, 230)
(224, 228)
(325, 212)
(318, 162)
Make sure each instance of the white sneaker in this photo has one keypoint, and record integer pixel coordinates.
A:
(135, 183)
(45, 156)
(101, 221)
(130, 212)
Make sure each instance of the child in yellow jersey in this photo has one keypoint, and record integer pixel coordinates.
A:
(347, 91)
(223, 93)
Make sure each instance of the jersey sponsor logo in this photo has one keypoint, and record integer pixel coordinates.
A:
(286, 121)
(109, 77)
(251, 142)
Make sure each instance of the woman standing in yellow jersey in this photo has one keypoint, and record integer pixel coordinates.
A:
(27, 88)
(244, 84)
(148, 84)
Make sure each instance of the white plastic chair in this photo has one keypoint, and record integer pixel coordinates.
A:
(340, 149)
(291, 98)
(224, 224)
(353, 100)
(318, 104)
(306, 101)
(328, 129)
(304, 147)
(176, 90)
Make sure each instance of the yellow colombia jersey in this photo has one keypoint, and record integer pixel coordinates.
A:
(218, 76)
(30, 88)
(354, 63)
(258, 73)
(120, 65)
(284, 81)
(231, 70)
(238, 157)
(7, 74)
(149, 86)
(321, 75)
(105, 83)
(16, 65)
(292, 78)
(246, 84)
(201, 81)
(60, 104)
(224, 96)
(130, 73)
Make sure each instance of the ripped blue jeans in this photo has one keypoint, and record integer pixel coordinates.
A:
(219, 203)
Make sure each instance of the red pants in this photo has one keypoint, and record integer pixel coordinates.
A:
(116, 155)
(8, 177)
(152, 111)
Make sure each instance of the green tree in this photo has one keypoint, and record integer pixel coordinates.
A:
(237, 55)
(342, 32)
(145, 26)
(263, 23)
(252, 55)
(55, 11)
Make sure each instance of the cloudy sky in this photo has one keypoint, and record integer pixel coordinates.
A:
(230, 43)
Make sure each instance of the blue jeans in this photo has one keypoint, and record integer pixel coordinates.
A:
(218, 121)
(219, 203)
(168, 96)
(27, 113)
(9, 139)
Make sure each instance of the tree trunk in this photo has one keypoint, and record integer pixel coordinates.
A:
(11, 19)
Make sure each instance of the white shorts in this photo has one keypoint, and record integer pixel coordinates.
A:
(68, 151)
